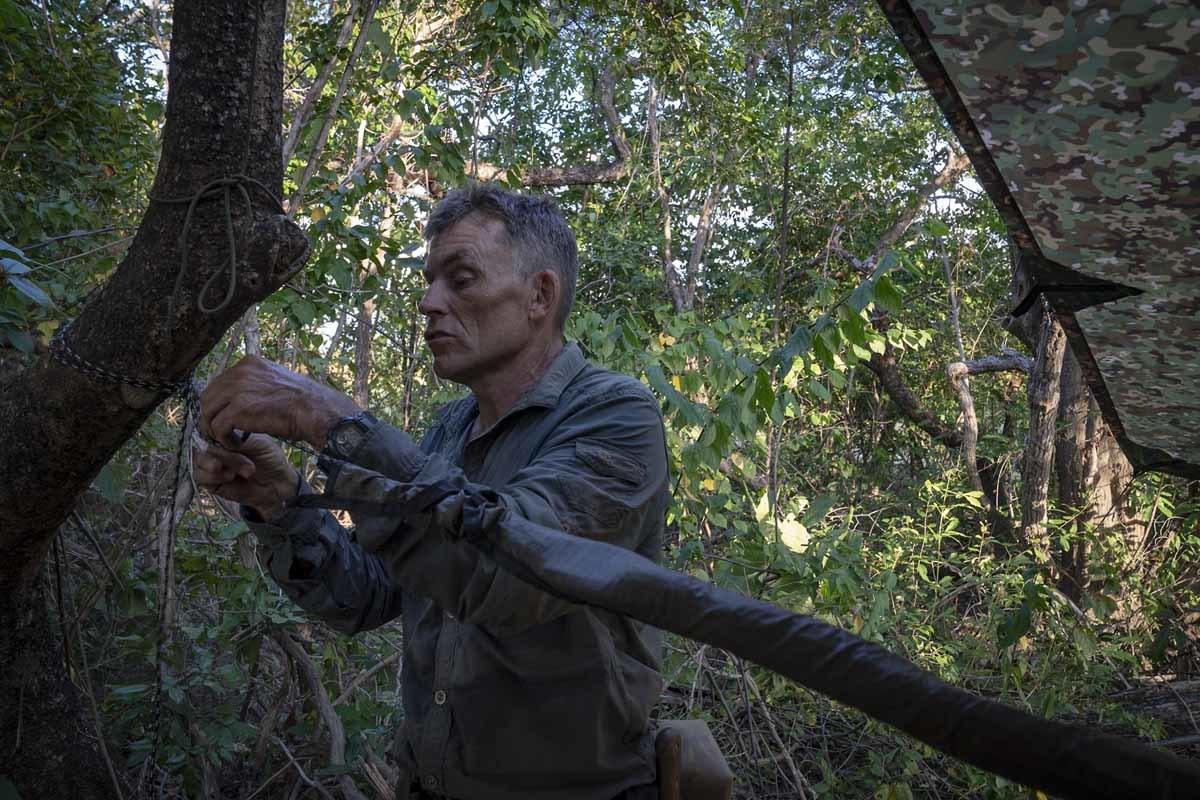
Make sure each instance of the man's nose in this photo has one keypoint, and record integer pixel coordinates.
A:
(431, 301)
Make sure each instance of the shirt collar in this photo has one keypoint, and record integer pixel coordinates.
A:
(549, 388)
(544, 393)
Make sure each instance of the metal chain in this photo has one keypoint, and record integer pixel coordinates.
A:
(66, 355)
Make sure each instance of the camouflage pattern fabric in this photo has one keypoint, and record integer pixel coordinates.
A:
(1083, 122)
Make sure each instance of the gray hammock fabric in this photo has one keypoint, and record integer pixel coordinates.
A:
(1064, 760)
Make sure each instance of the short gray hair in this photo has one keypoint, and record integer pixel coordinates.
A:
(536, 229)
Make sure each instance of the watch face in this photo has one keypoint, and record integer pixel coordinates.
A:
(345, 436)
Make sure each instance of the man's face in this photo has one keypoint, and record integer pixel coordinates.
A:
(475, 306)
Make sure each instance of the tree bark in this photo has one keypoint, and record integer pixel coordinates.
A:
(887, 370)
(60, 424)
(1044, 393)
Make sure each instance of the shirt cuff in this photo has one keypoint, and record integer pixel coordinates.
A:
(384, 449)
(294, 535)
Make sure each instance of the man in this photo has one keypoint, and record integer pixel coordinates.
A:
(508, 692)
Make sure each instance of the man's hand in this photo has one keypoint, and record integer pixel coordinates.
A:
(257, 396)
(257, 474)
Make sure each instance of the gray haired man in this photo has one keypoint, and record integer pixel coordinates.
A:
(508, 693)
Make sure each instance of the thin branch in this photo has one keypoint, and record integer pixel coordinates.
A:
(962, 385)
(321, 790)
(318, 86)
(797, 776)
(366, 675)
(91, 694)
(337, 733)
(1044, 386)
(319, 145)
(1007, 361)
(91, 537)
(578, 174)
(670, 277)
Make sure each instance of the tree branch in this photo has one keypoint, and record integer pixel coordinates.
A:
(319, 145)
(888, 372)
(1007, 361)
(578, 174)
(318, 86)
(670, 276)
(337, 733)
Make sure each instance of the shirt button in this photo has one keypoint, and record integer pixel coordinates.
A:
(430, 781)
(439, 697)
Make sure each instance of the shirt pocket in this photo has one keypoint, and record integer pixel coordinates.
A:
(600, 490)
(610, 463)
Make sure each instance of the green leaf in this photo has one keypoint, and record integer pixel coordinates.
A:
(819, 508)
(304, 311)
(862, 295)
(132, 690)
(798, 343)
(853, 330)
(13, 267)
(110, 483)
(937, 227)
(690, 411)
(20, 340)
(1014, 626)
(30, 290)
(764, 393)
(12, 18)
(714, 349)
(888, 296)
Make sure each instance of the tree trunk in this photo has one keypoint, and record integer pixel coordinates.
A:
(1074, 451)
(60, 424)
(1039, 443)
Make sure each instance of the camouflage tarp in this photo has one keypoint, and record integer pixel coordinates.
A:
(1082, 120)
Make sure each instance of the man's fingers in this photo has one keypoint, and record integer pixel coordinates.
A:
(211, 404)
(222, 465)
(223, 424)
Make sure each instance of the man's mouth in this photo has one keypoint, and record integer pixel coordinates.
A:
(437, 336)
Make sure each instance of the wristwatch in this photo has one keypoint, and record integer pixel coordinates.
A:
(347, 434)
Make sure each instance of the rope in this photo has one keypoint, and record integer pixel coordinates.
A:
(220, 188)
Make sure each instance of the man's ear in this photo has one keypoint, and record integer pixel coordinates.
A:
(544, 301)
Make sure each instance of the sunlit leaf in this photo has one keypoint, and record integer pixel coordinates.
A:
(30, 290)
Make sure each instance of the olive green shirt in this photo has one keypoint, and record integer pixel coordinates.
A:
(508, 693)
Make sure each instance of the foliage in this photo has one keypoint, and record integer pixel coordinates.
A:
(796, 478)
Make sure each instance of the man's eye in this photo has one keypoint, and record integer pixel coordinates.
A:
(463, 279)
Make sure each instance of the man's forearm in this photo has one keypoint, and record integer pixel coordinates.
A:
(311, 557)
